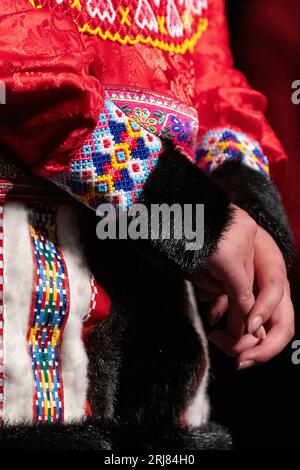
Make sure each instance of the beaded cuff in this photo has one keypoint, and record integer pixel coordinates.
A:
(222, 145)
(114, 162)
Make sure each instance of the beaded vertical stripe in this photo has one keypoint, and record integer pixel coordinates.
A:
(1, 319)
(49, 313)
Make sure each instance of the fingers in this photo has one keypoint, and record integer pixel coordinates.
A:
(218, 308)
(275, 342)
(250, 349)
(241, 299)
(231, 346)
(279, 335)
(232, 264)
(271, 289)
(272, 310)
(238, 285)
(271, 277)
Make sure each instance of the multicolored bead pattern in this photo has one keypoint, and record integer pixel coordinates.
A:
(159, 114)
(221, 145)
(114, 162)
(170, 25)
(49, 313)
(1, 319)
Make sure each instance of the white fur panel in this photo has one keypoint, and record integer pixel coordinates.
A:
(18, 282)
(74, 358)
(197, 412)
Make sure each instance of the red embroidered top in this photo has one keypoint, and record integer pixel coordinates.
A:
(164, 63)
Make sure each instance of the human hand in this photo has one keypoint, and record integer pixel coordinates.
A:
(230, 274)
(230, 285)
(273, 308)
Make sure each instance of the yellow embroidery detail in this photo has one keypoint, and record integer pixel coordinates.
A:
(161, 23)
(188, 44)
(124, 14)
(76, 4)
(32, 2)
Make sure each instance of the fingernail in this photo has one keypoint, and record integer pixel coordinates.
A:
(246, 365)
(255, 324)
(261, 333)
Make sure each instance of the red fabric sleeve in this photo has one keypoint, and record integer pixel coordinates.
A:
(53, 97)
(56, 118)
(225, 100)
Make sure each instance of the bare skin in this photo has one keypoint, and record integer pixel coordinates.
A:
(258, 326)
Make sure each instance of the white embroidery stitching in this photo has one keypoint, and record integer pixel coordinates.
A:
(103, 9)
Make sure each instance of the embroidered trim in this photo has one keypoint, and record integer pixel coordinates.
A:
(93, 303)
(187, 45)
(221, 145)
(49, 313)
(167, 24)
(114, 162)
(159, 114)
(99, 308)
(1, 318)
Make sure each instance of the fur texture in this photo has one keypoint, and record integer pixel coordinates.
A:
(198, 410)
(88, 435)
(104, 353)
(73, 355)
(162, 362)
(176, 179)
(257, 195)
(160, 349)
(209, 437)
(17, 299)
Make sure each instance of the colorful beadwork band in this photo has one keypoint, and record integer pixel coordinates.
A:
(49, 313)
(114, 162)
(221, 145)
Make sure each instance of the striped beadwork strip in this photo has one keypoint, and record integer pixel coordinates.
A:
(49, 313)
